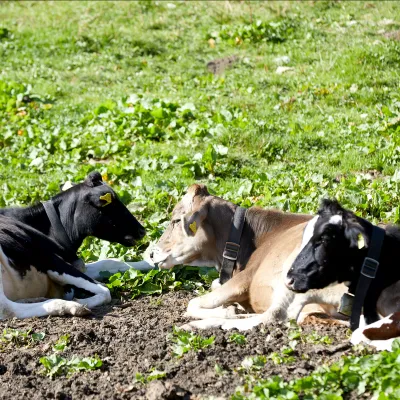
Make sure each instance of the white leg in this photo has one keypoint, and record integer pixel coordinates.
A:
(196, 310)
(49, 307)
(215, 284)
(295, 307)
(226, 324)
(101, 293)
(282, 300)
(113, 266)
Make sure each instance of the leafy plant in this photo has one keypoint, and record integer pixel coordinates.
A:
(61, 343)
(19, 338)
(55, 365)
(153, 375)
(184, 342)
(377, 376)
(219, 370)
(267, 31)
(252, 365)
(284, 357)
(238, 338)
(296, 333)
(133, 283)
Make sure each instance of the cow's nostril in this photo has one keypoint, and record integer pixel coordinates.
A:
(289, 281)
(152, 254)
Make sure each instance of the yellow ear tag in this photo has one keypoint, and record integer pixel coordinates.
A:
(193, 227)
(67, 185)
(360, 241)
(107, 198)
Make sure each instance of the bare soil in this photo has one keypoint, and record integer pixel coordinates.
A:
(133, 337)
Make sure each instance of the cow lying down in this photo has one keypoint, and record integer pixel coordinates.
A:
(270, 240)
(343, 247)
(39, 243)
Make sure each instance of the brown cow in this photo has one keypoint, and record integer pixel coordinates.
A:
(270, 242)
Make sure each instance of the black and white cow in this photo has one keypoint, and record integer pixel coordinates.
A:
(334, 251)
(39, 245)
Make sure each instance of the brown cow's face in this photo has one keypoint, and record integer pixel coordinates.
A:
(189, 238)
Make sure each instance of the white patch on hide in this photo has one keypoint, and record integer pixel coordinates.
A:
(308, 232)
(336, 220)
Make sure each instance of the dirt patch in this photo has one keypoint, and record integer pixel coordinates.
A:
(395, 35)
(133, 338)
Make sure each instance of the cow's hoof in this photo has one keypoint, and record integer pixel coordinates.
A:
(80, 310)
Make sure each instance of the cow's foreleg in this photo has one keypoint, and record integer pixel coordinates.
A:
(112, 266)
(64, 274)
(210, 305)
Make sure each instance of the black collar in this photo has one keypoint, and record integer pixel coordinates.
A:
(60, 234)
(232, 246)
(367, 275)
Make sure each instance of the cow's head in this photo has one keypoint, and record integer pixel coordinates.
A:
(337, 238)
(92, 208)
(192, 236)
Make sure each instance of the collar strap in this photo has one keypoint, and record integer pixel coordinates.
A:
(232, 246)
(367, 275)
(60, 233)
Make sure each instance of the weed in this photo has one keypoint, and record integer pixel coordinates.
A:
(219, 370)
(184, 342)
(374, 375)
(19, 338)
(133, 283)
(296, 333)
(238, 338)
(151, 376)
(55, 365)
(61, 343)
(284, 357)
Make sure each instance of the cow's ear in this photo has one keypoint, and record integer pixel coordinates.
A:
(193, 220)
(94, 179)
(330, 207)
(355, 233)
(101, 198)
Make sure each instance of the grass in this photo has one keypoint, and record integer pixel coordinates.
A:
(123, 88)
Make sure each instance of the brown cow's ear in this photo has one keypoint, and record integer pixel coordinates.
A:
(192, 221)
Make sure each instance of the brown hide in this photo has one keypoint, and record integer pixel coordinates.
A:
(385, 331)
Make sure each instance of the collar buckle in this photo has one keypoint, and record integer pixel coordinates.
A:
(231, 251)
(369, 267)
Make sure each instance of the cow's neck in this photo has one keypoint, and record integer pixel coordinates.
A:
(36, 217)
(73, 225)
(388, 272)
(258, 223)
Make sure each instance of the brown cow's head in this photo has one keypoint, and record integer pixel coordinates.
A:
(193, 234)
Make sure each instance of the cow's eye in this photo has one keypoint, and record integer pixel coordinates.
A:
(175, 221)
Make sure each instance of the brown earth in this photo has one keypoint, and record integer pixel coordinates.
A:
(134, 338)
